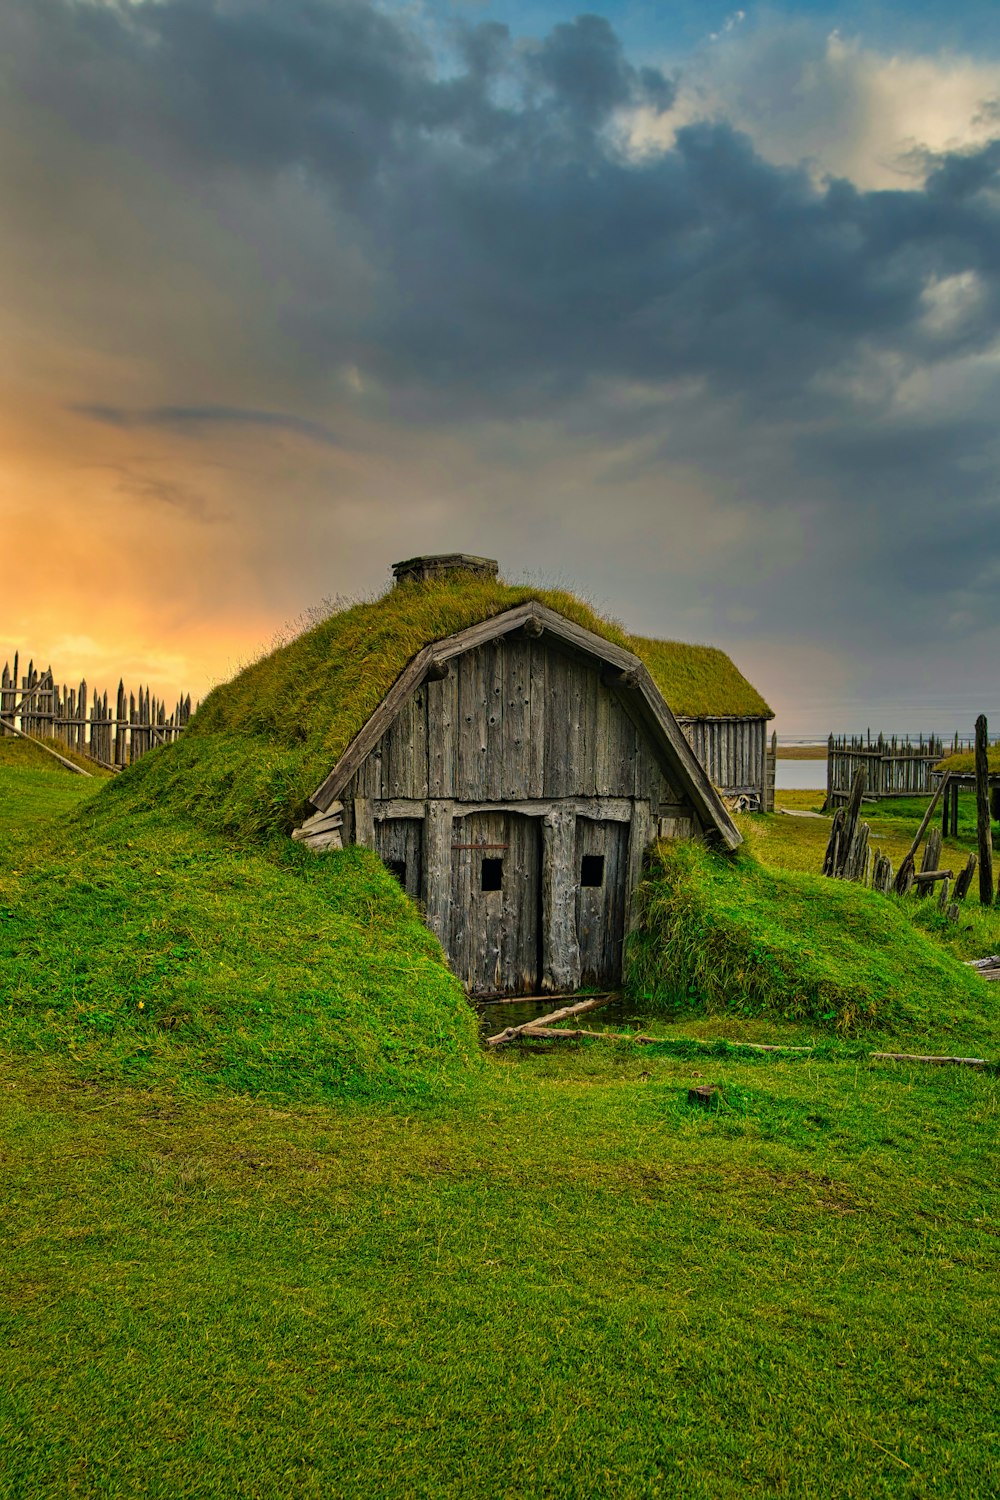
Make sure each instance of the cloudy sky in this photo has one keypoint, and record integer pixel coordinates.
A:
(695, 309)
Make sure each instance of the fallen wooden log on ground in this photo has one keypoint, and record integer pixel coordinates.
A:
(916, 1057)
(563, 1014)
(558, 1033)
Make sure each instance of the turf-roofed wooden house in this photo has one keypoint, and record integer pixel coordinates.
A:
(513, 776)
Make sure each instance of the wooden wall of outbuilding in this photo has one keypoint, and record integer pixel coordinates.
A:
(734, 753)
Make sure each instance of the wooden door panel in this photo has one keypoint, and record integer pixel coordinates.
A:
(601, 874)
(496, 903)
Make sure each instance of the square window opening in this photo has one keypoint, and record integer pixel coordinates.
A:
(592, 870)
(397, 867)
(491, 878)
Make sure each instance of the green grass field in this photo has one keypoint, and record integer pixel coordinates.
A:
(285, 1231)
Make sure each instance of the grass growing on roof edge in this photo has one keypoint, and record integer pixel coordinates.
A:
(963, 762)
(259, 745)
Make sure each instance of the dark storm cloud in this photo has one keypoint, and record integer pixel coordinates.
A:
(334, 87)
(704, 261)
(523, 262)
(518, 246)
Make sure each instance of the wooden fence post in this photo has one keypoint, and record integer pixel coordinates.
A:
(983, 826)
(772, 761)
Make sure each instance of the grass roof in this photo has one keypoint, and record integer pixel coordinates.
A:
(260, 744)
(964, 763)
(699, 682)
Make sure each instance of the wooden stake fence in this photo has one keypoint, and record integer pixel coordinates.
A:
(893, 768)
(114, 734)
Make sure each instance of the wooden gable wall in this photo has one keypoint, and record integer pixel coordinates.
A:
(517, 719)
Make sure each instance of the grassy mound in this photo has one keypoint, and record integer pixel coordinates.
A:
(727, 933)
(259, 745)
(144, 949)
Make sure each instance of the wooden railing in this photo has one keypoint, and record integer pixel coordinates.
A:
(114, 734)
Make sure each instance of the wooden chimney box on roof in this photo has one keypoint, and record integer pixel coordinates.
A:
(513, 778)
(428, 569)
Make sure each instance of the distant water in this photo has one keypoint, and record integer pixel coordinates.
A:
(799, 775)
(900, 735)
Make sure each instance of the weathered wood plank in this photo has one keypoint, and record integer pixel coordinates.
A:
(964, 880)
(611, 809)
(442, 717)
(516, 670)
(642, 831)
(560, 949)
(494, 760)
(364, 823)
(534, 768)
(437, 892)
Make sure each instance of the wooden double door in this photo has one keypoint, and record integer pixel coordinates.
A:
(499, 914)
(500, 927)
